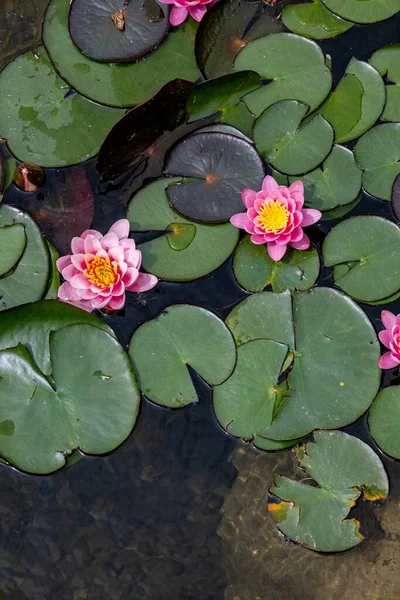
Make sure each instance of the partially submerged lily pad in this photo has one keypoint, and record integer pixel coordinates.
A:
(313, 20)
(396, 197)
(384, 420)
(386, 60)
(344, 467)
(114, 31)
(363, 11)
(181, 335)
(12, 246)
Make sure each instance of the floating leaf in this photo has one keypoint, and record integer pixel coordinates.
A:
(109, 31)
(363, 11)
(344, 467)
(255, 270)
(290, 146)
(384, 420)
(224, 164)
(273, 445)
(386, 60)
(42, 123)
(295, 65)
(181, 335)
(211, 245)
(226, 28)
(365, 255)
(53, 283)
(12, 246)
(313, 20)
(240, 117)
(344, 387)
(337, 182)
(396, 197)
(114, 84)
(378, 154)
(341, 211)
(2, 176)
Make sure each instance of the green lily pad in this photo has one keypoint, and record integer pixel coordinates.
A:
(240, 117)
(116, 84)
(313, 20)
(27, 282)
(262, 443)
(291, 146)
(295, 65)
(255, 270)
(377, 153)
(387, 60)
(384, 420)
(53, 283)
(363, 11)
(12, 246)
(41, 122)
(337, 182)
(211, 245)
(74, 408)
(244, 404)
(327, 387)
(344, 467)
(181, 335)
(220, 94)
(180, 235)
(365, 255)
(3, 177)
(341, 211)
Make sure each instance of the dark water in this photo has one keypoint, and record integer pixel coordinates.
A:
(178, 512)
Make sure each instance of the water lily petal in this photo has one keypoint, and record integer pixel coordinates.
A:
(310, 216)
(100, 301)
(69, 272)
(178, 15)
(63, 262)
(118, 289)
(239, 220)
(93, 233)
(248, 197)
(130, 276)
(79, 261)
(388, 319)
(269, 184)
(197, 12)
(133, 258)
(79, 281)
(92, 244)
(276, 251)
(143, 283)
(116, 254)
(77, 245)
(120, 228)
(117, 302)
(257, 239)
(387, 361)
(385, 337)
(302, 244)
(110, 240)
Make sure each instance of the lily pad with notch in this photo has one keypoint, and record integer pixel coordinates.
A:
(117, 30)
(12, 246)
(222, 166)
(185, 250)
(384, 420)
(363, 11)
(314, 20)
(386, 60)
(290, 146)
(315, 516)
(181, 335)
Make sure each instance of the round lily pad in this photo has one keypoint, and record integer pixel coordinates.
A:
(341, 211)
(12, 246)
(90, 402)
(204, 249)
(41, 121)
(364, 252)
(363, 11)
(113, 31)
(327, 387)
(315, 516)
(291, 146)
(255, 270)
(27, 281)
(378, 154)
(337, 182)
(386, 60)
(295, 65)
(182, 335)
(118, 84)
(224, 164)
(53, 283)
(313, 20)
(384, 420)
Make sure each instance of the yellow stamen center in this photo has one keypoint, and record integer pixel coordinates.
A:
(101, 271)
(273, 216)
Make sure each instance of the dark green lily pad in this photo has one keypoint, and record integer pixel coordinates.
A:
(218, 95)
(313, 20)
(344, 388)
(344, 467)
(291, 146)
(226, 28)
(240, 117)
(115, 84)
(3, 173)
(295, 65)
(113, 31)
(222, 166)
(364, 252)
(255, 270)
(387, 61)
(27, 282)
(337, 182)
(363, 11)
(377, 153)
(53, 283)
(12, 246)
(164, 256)
(395, 199)
(341, 211)
(41, 122)
(181, 335)
(74, 408)
(384, 420)
(262, 443)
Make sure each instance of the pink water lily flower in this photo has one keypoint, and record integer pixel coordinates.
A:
(182, 8)
(275, 216)
(390, 337)
(102, 268)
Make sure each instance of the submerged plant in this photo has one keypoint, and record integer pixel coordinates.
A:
(101, 268)
(390, 337)
(275, 216)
